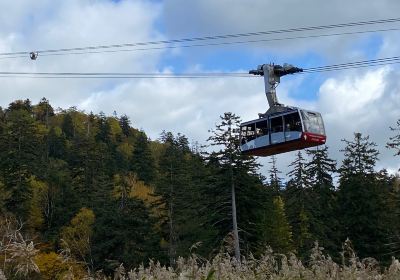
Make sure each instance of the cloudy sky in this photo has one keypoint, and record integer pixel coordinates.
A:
(363, 100)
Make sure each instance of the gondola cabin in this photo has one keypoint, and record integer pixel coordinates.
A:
(282, 132)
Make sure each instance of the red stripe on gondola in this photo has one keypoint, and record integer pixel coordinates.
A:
(307, 140)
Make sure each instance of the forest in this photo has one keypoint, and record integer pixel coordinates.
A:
(86, 192)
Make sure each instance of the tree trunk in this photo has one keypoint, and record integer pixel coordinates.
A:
(234, 220)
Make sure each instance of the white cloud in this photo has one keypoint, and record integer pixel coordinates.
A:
(209, 17)
(362, 100)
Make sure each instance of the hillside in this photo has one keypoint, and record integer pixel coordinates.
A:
(96, 192)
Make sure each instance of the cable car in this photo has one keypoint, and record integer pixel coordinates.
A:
(282, 128)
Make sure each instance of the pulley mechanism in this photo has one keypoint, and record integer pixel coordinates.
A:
(33, 55)
(272, 77)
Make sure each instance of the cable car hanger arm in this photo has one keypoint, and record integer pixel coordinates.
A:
(272, 76)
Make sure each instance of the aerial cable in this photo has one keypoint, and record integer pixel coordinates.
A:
(356, 64)
(209, 44)
(205, 45)
(122, 75)
(206, 38)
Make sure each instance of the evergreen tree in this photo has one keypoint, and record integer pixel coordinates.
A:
(17, 105)
(104, 133)
(238, 171)
(361, 199)
(324, 226)
(124, 235)
(43, 111)
(394, 141)
(299, 204)
(360, 156)
(275, 230)
(20, 158)
(142, 159)
(275, 182)
(68, 126)
(173, 180)
(124, 122)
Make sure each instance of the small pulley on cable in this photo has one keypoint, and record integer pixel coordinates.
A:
(33, 55)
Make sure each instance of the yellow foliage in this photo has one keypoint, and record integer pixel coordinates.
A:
(114, 125)
(144, 192)
(129, 186)
(77, 236)
(125, 149)
(57, 131)
(51, 265)
(37, 203)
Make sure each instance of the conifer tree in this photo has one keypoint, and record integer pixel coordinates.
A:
(394, 141)
(275, 182)
(299, 203)
(20, 157)
(142, 159)
(124, 122)
(361, 199)
(235, 165)
(43, 111)
(275, 230)
(68, 126)
(324, 226)
(360, 156)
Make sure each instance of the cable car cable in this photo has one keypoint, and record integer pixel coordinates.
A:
(119, 75)
(210, 44)
(215, 37)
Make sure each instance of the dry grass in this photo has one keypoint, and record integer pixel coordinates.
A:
(269, 266)
(17, 256)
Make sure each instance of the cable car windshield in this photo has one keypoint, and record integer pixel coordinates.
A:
(313, 122)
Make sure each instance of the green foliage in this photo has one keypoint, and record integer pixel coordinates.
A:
(394, 141)
(275, 230)
(161, 199)
(360, 156)
(142, 159)
(362, 199)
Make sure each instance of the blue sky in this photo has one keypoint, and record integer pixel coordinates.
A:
(350, 101)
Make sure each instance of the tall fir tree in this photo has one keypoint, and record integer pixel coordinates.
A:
(324, 226)
(299, 204)
(360, 157)
(239, 175)
(361, 199)
(275, 230)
